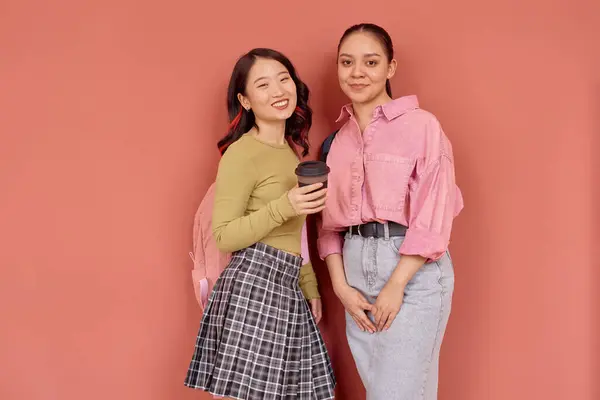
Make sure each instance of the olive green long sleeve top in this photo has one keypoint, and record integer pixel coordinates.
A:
(251, 203)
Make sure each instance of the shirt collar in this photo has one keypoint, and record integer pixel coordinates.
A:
(390, 110)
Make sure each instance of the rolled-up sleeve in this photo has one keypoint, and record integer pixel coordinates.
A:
(329, 242)
(434, 200)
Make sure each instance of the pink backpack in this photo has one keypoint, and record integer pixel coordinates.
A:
(208, 260)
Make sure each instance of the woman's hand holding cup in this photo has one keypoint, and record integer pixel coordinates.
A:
(308, 199)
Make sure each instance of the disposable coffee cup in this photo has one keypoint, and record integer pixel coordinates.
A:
(309, 172)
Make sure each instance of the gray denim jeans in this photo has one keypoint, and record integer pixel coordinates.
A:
(401, 363)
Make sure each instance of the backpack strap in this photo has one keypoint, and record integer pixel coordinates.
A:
(326, 146)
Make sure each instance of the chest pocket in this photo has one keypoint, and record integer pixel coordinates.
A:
(386, 180)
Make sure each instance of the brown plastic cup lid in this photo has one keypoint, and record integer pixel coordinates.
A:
(312, 168)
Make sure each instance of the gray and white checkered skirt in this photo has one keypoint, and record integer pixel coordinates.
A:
(257, 338)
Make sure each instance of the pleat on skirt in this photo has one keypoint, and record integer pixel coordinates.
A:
(258, 339)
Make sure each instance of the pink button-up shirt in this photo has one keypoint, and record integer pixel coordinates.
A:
(399, 169)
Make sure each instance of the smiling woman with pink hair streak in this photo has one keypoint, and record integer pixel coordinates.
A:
(258, 339)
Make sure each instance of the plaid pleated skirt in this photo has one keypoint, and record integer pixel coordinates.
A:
(258, 339)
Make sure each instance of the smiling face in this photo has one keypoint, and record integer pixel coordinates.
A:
(364, 67)
(270, 91)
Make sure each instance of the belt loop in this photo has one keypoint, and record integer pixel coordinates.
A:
(386, 230)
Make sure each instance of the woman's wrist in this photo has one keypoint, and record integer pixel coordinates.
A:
(339, 286)
(336, 272)
(406, 269)
(399, 281)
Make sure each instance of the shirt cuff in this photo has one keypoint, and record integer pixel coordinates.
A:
(330, 243)
(421, 242)
(284, 207)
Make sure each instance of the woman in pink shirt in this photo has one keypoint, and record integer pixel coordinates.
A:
(386, 227)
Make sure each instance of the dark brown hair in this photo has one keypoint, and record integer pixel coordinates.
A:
(381, 35)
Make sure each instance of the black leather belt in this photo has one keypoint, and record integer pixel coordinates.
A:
(377, 230)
